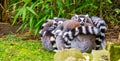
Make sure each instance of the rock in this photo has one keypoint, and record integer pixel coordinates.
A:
(69, 55)
(100, 55)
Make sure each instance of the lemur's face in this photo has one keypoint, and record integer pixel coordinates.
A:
(81, 18)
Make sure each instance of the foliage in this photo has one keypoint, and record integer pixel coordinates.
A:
(33, 13)
(12, 38)
(3, 10)
(14, 50)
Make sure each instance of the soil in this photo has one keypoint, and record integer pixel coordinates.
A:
(6, 28)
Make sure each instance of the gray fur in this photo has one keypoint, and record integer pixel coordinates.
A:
(97, 22)
(85, 43)
(46, 33)
(46, 43)
(60, 43)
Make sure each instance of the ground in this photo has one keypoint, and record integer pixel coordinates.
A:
(112, 33)
(21, 46)
(16, 49)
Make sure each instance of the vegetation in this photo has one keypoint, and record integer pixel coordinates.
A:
(16, 49)
(32, 13)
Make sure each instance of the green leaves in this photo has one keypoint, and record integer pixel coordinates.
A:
(31, 10)
(109, 1)
(32, 14)
(60, 4)
(24, 13)
(31, 23)
(117, 10)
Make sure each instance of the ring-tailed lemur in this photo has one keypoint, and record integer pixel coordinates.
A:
(89, 30)
(97, 22)
(47, 38)
(71, 33)
(69, 30)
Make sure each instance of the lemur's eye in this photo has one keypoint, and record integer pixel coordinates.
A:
(55, 24)
(75, 17)
(84, 20)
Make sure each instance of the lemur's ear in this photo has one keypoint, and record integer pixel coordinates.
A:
(86, 15)
(76, 15)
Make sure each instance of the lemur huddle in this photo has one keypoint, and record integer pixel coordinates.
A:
(81, 32)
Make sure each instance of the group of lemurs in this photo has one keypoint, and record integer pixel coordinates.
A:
(81, 31)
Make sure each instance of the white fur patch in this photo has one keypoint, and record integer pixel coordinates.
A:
(40, 31)
(83, 29)
(103, 27)
(86, 15)
(53, 32)
(52, 39)
(60, 22)
(56, 51)
(103, 44)
(65, 33)
(90, 29)
(70, 34)
(54, 22)
(97, 45)
(82, 19)
(69, 41)
(95, 30)
(60, 33)
(44, 33)
(66, 39)
(76, 15)
(100, 23)
(67, 46)
(57, 31)
(98, 39)
(96, 20)
(44, 24)
(54, 45)
(102, 34)
(76, 31)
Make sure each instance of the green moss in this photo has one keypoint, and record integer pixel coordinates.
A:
(15, 49)
(69, 55)
(100, 55)
(115, 52)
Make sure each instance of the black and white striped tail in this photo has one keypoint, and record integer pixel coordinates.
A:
(69, 35)
(100, 39)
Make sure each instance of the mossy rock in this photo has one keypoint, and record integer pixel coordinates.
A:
(115, 52)
(69, 55)
(100, 55)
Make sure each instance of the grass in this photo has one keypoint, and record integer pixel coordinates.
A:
(16, 49)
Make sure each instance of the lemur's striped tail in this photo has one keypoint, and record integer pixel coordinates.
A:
(100, 39)
(80, 30)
